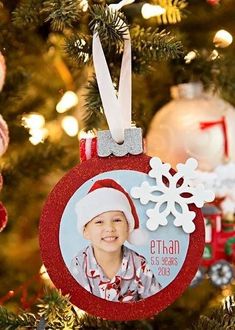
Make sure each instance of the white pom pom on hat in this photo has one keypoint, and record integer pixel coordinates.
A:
(107, 195)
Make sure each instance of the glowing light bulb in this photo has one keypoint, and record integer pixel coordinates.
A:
(149, 11)
(68, 100)
(214, 55)
(190, 56)
(222, 39)
(43, 273)
(33, 121)
(70, 125)
(38, 135)
(80, 312)
(84, 5)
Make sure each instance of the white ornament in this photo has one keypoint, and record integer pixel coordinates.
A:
(176, 132)
(172, 194)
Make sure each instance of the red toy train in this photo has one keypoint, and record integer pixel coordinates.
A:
(219, 253)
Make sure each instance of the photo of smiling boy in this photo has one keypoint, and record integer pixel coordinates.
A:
(107, 268)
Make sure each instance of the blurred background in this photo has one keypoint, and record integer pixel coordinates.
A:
(183, 98)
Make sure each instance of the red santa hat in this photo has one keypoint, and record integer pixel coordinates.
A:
(107, 195)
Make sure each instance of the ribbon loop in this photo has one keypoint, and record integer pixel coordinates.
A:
(117, 109)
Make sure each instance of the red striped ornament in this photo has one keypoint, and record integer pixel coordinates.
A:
(4, 136)
(2, 71)
(3, 217)
(88, 148)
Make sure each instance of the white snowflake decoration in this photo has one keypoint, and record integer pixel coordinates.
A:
(172, 194)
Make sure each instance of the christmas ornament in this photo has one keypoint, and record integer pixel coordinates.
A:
(1, 182)
(2, 71)
(88, 145)
(96, 216)
(219, 252)
(194, 124)
(171, 253)
(4, 136)
(3, 217)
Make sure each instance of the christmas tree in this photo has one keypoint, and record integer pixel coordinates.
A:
(47, 80)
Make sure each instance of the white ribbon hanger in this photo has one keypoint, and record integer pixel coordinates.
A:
(117, 109)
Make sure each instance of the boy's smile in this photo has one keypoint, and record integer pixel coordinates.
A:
(107, 232)
(109, 238)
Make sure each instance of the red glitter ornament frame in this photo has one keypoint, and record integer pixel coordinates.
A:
(58, 271)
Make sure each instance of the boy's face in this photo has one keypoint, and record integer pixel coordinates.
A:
(108, 231)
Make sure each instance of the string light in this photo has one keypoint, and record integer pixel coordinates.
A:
(68, 100)
(38, 135)
(84, 5)
(214, 55)
(149, 11)
(43, 273)
(80, 313)
(45, 277)
(70, 125)
(222, 39)
(190, 56)
(35, 123)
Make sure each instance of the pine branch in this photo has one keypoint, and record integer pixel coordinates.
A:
(78, 48)
(57, 311)
(34, 163)
(214, 70)
(62, 13)
(149, 46)
(11, 321)
(174, 11)
(26, 14)
(110, 25)
(220, 319)
(94, 110)
(14, 91)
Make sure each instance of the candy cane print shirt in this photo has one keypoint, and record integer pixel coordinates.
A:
(133, 281)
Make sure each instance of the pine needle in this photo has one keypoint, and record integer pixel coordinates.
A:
(62, 13)
(110, 25)
(78, 48)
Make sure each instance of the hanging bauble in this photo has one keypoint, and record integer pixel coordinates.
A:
(3, 217)
(121, 184)
(4, 136)
(2, 71)
(1, 182)
(193, 124)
